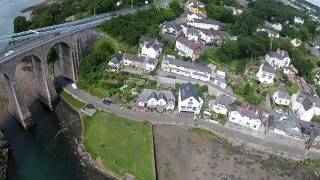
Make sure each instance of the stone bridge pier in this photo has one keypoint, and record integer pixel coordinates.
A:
(70, 48)
(19, 108)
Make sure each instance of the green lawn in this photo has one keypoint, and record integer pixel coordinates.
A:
(123, 145)
(203, 133)
(75, 102)
(316, 119)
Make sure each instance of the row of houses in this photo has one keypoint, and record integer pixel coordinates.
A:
(146, 60)
(189, 100)
(193, 70)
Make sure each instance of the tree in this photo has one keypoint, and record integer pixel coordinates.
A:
(20, 24)
(219, 13)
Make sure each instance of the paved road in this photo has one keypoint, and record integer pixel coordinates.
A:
(271, 145)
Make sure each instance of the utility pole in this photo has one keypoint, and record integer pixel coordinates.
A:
(131, 4)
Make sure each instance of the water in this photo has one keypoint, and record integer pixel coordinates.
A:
(46, 152)
(9, 9)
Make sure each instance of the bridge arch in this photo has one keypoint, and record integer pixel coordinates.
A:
(32, 72)
(63, 60)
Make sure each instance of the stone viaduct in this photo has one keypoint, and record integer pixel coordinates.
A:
(70, 48)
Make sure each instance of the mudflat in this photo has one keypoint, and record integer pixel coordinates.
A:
(192, 154)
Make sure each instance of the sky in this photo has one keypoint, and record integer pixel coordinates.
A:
(315, 2)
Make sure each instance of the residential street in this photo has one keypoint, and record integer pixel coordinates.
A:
(270, 145)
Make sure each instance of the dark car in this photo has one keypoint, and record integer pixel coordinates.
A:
(107, 102)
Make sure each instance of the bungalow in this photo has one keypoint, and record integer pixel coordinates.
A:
(278, 59)
(285, 126)
(212, 36)
(184, 68)
(220, 105)
(115, 64)
(246, 117)
(305, 106)
(275, 26)
(298, 20)
(139, 62)
(205, 24)
(149, 47)
(281, 97)
(188, 48)
(171, 29)
(266, 74)
(153, 99)
(190, 99)
(193, 35)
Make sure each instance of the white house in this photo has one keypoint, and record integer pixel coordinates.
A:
(212, 36)
(153, 99)
(115, 64)
(298, 20)
(191, 16)
(285, 126)
(269, 32)
(193, 35)
(190, 99)
(149, 47)
(171, 29)
(305, 106)
(278, 59)
(184, 68)
(221, 105)
(266, 74)
(139, 62)
(205, 24)
(281, 97)
(246, 117)
(188, 48)
(275, 26)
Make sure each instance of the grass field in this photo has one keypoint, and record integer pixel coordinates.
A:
(76, 103)
(123, 145)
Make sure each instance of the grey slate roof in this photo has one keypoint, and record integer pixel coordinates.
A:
(188, 43)
(173, 25)
(152, 61)
(148, 94)
(289, 124)
(215, 33)
(193, 31)
(282, 92)
(221, 79)
(251, 112)
(207, 21)
(223, 100)
(188, 90)
(266, 67)
(308, 101)
(117, 59)
(279, 54)
(133, 57)
(151, 43)
(188, 65)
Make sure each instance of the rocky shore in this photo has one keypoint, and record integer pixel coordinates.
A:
(4, 156)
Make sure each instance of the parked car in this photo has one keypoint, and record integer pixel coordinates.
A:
(8, 53)
(107, 102)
